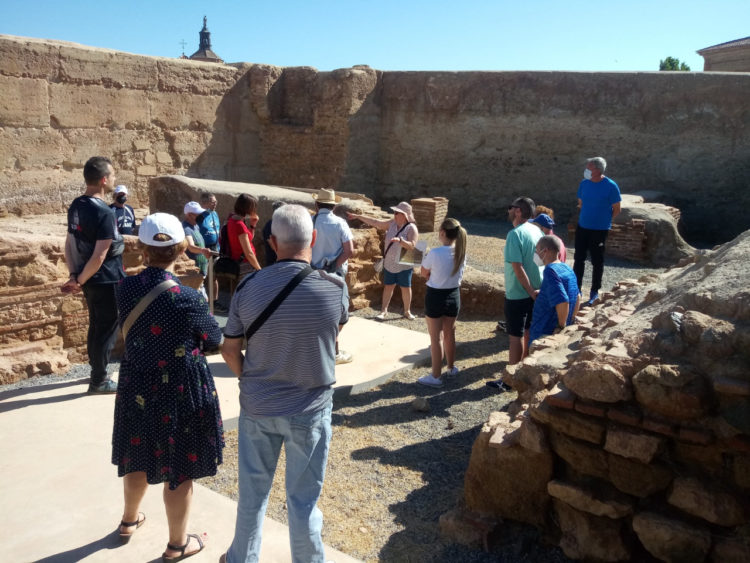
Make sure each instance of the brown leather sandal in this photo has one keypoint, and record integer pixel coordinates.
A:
(125, 537)
(181, 549)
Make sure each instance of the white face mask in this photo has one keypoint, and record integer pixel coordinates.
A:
(587, 174)
(538, 260)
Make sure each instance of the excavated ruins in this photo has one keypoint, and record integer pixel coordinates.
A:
(630, 437)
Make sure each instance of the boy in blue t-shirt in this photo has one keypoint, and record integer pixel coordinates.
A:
(558, 299)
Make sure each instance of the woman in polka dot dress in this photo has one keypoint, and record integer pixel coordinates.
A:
(167, 425)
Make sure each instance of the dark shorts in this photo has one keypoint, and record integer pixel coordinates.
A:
(402, 279)
(442, 302)
(518, 315)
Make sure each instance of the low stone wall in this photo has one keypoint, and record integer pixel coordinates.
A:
(630, 436)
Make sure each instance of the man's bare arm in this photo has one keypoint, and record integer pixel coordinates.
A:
(523, 278)
(231, 351)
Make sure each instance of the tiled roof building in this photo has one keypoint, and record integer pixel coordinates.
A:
(732, 56)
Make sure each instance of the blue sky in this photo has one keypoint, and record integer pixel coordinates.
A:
(583, 35)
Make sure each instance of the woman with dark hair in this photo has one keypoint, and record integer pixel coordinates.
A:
(443, 268)
(167, 424)
(240, 233)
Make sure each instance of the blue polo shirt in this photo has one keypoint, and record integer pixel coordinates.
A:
(558, 286)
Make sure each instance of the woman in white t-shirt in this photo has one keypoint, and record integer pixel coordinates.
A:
(443, 268)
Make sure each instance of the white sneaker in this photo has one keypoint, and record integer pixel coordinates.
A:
(343, 357)
(409, 316)
(382, 316)
(430, 381)
(453, 371)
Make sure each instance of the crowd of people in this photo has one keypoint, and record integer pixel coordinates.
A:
(167, 423)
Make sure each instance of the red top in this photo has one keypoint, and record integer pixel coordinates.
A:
(235, 227)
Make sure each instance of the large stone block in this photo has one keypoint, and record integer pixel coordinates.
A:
(24, 102)
(582, 457)
(730, 550)
(705, 501)
(86, 65)
(596, 502)
(29, 58)
(507, 482)
(634, 445)
(32, 148)
(597, 381)
(177, 110)
(672, 391)
(95, 106)
(574, 424)
(590, 537)
(195, 77)
(673, 541)
(638, 479)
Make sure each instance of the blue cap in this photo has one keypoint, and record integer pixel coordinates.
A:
(543, 220)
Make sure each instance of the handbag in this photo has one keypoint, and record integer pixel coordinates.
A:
(380, 264)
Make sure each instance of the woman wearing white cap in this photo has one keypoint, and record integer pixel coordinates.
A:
(167, 424)
(400, 232)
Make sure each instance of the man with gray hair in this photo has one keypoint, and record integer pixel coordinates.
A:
(290, 315)
(599, 203)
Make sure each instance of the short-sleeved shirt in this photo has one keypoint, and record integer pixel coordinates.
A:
(597, 199)
(209, 225)
(125, 217)
(393, 255)
(91, 220)
(200, 260)
(236, 227)
(520, 245)
(559, 285)
(333, 232)
(440, 263)
(289, 365)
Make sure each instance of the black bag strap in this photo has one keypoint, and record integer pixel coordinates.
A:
(273, 305)
(394, 236)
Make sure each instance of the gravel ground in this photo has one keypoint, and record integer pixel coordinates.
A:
(393, 471)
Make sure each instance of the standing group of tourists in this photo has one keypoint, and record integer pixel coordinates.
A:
(281, 336)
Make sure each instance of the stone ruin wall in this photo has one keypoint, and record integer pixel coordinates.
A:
(478, 138)
(630, 436)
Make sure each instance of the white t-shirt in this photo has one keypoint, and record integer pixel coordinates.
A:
(440, 263)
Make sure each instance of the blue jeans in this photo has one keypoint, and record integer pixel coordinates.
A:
(306, 438)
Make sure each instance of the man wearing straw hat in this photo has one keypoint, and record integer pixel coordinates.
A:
(334, 245)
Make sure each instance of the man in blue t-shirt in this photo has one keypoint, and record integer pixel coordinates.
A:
(599, 203)
(558, 299)
(93, 254)
(208, 221)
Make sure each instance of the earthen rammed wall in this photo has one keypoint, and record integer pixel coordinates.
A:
(478, 138)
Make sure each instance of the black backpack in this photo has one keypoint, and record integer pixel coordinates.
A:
(225, 264)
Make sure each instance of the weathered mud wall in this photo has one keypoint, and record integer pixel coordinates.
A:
(478, 138)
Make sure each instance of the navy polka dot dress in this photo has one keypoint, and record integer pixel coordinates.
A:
(167, 418)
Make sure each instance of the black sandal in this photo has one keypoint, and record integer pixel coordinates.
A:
(125, 538)
(181, 549)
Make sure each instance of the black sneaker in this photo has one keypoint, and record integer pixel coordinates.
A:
(499, 385)
(106, 387)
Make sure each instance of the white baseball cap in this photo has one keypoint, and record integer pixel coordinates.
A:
(161, 223)
(193, 207)
(121, 189)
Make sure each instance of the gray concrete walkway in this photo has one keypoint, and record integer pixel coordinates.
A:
(61, 498)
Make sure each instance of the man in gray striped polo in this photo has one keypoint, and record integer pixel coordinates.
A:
(286, 387)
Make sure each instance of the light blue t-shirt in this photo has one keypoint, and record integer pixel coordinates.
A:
(520, 245)
(597, 199)
(559, 286)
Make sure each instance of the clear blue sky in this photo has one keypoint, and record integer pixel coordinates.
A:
(624, 35)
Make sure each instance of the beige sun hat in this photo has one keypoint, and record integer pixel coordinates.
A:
(404, 208)
(325, 195)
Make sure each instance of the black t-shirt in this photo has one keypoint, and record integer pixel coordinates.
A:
(90, 220)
